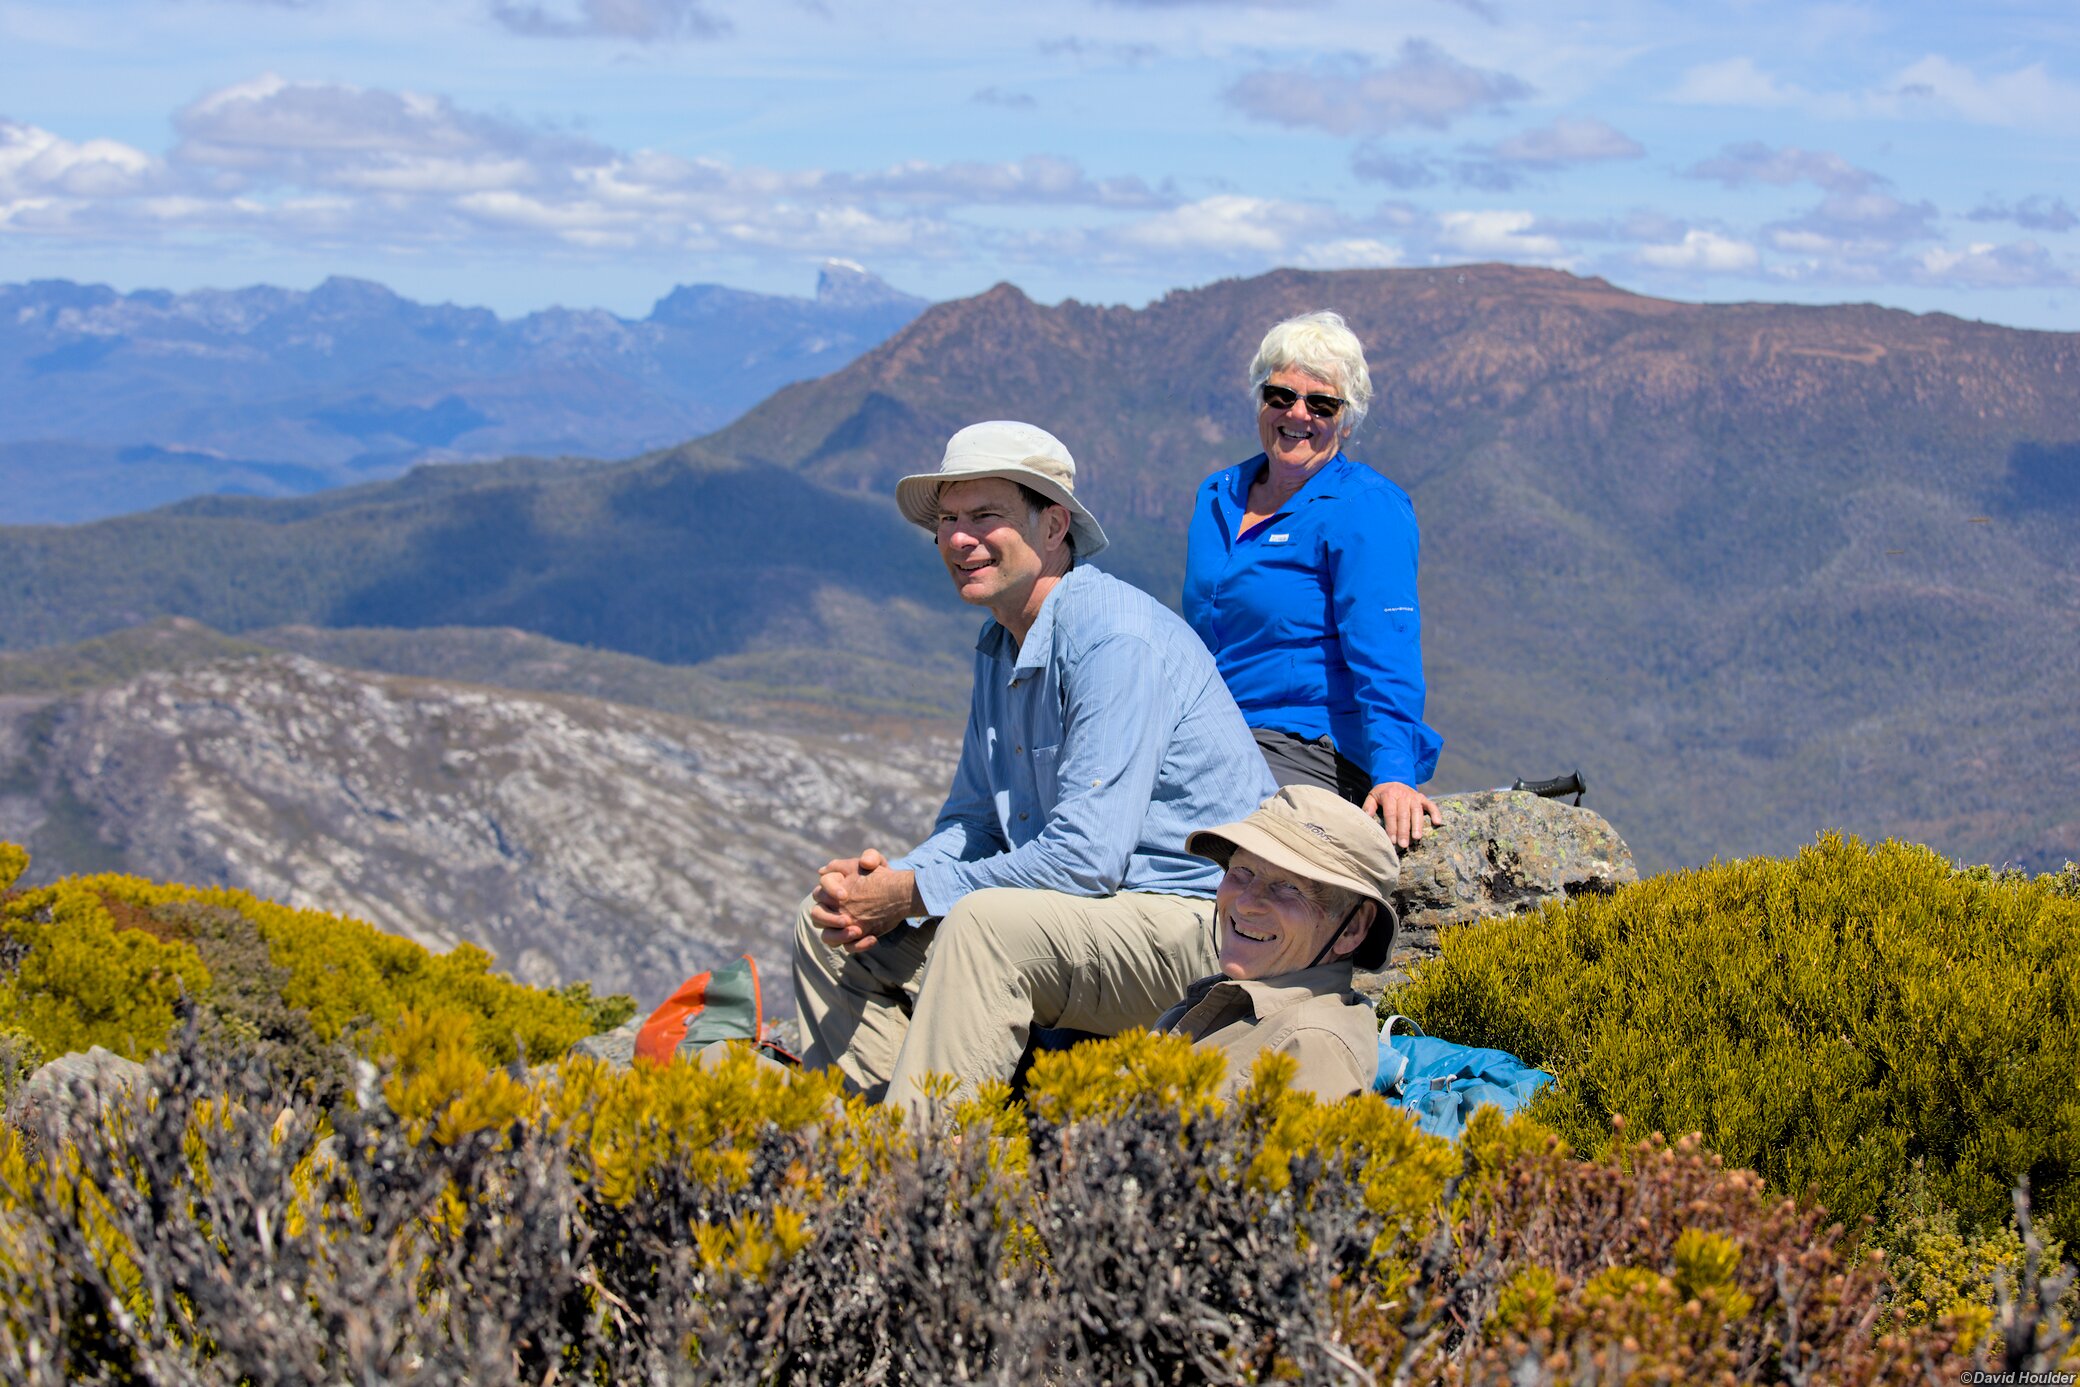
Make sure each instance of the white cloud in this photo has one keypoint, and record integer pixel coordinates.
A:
(1095, 53)
(1856, 217)
(1009, 100)
(1035, 179)
(1394, 170)
(1424, 86)
(1504, 233)
(326, 134)
(1800, 242)
(1640, 226)
(1739, 165)
(1734, 82)
(1225, 224)
(36, 163)
(1870, 214)
(1568, 140)
(2037, 212)
(1701, 250)
(645, 21)
(2029, 97)
(1349, 253)
(308, 163)
(1502, 167)
(1984, 265)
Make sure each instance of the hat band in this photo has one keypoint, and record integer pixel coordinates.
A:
(1312, 841)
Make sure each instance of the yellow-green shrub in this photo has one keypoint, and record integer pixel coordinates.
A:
(1828, 1020)
(1939, 1271)
(80, 981)
(90, 978)
(343, 972)
(734, 1222)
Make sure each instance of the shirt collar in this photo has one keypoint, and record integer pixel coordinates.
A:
(1325, 483)
(1268, 996)
(995, 639)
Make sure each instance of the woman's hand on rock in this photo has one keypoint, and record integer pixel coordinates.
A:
(1401, 810)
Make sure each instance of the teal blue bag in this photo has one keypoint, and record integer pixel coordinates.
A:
(1441, 1084)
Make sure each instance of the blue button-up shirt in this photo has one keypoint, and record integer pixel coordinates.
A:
(1313, 615)
(1091, 751)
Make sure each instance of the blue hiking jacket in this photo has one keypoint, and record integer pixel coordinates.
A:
(1312, 617)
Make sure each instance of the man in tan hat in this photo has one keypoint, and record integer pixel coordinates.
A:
(1303, 898)
(1056, 889)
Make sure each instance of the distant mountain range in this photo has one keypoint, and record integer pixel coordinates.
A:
(120, 402)
(1756, 569)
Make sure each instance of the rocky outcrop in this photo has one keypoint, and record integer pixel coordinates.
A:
(94, 1076)
(616, 1047)
(1499, 852)
(575, 839)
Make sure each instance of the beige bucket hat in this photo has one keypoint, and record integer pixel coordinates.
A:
(1317, 834)
(1021, 453)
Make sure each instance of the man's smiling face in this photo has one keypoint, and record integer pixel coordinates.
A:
(1269, 925)
(990, 541)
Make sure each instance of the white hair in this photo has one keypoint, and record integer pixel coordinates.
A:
(1322, 345)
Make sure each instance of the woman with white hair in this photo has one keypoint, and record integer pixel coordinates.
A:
(1300, 576)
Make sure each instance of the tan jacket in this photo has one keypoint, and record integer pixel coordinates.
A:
(1312, 1015)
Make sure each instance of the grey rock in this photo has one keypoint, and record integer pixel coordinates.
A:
(1498, 852)
(617, 1047)
(96, 1076)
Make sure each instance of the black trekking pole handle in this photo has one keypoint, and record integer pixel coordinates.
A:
(1569, 784)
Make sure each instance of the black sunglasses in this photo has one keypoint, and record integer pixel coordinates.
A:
(1281, 399)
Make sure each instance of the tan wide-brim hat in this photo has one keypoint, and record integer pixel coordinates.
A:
(1016, 452)
(1312, 833)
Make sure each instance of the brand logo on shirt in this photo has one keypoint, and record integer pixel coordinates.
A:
(1276, 539)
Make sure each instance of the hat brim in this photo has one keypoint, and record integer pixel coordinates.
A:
(917, 497)
(1219, 844)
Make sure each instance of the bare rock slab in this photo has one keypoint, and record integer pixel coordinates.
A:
(1498, 852)
(94, 1077)
(617, 1047)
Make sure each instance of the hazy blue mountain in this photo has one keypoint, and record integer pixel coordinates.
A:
(122, 402)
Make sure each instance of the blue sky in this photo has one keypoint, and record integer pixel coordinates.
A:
(519, 153)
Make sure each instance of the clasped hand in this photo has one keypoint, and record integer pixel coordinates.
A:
(859, 899)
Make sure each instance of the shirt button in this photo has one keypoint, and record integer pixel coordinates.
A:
(1018, 751)
(1023, 815)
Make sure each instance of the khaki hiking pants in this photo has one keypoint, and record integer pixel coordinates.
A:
(961, 995)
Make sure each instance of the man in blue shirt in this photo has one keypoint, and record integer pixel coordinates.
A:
(1055, 889)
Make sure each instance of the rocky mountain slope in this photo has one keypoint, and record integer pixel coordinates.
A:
(574, 838)
(1758, 570)
(119, 402)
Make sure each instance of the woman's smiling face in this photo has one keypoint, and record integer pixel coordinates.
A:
(1269, 925)
(1295, 439)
